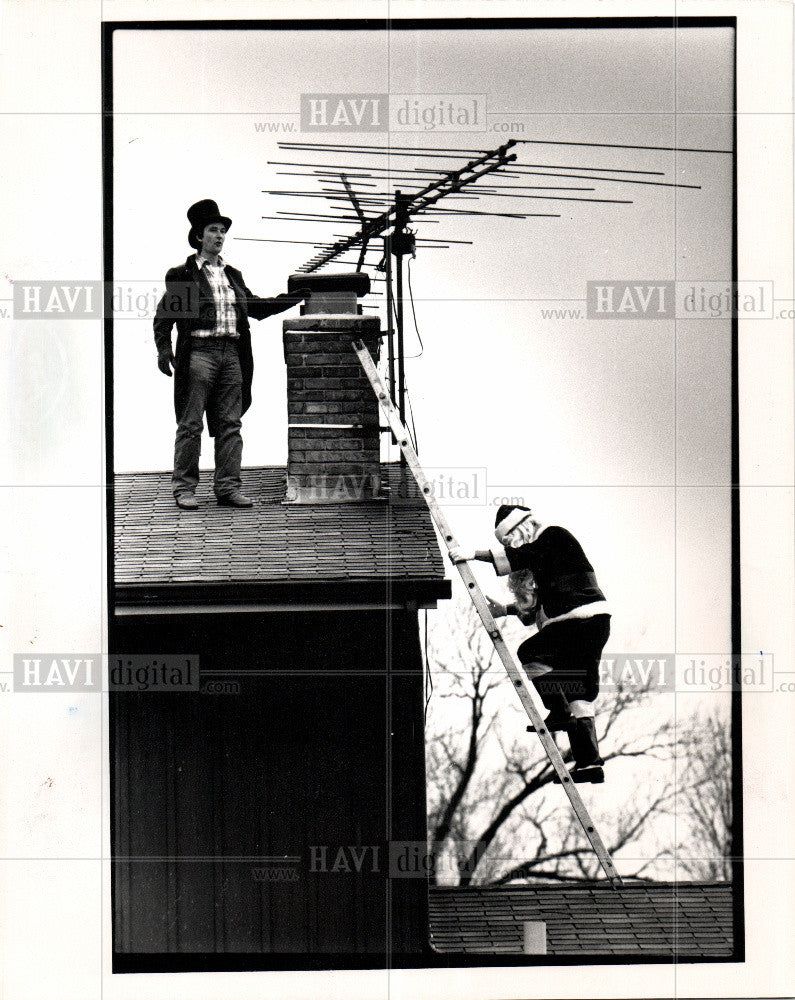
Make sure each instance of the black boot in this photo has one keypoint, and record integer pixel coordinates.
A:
(584, 744)
(559, 718)
(555, 723)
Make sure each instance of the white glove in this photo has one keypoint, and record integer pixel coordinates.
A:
(459, 555)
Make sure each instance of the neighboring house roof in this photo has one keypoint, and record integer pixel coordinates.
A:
(380, 552)
(679, 920)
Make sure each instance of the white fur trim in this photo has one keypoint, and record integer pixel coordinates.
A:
(509, 522)
(534, 669)
(581, 709)
(501, 564)
(583, 611)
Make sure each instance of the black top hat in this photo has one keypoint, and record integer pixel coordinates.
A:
(200, 215)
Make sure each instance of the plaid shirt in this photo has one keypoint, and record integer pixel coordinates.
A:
(224, 297)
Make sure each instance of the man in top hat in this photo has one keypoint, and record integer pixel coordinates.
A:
(213, 363)
(554, 585)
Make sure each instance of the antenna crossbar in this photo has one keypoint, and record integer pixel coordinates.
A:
(452, 182)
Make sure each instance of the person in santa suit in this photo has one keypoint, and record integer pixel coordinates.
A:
(555, 587)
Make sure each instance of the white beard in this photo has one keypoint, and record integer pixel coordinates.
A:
(524, 533)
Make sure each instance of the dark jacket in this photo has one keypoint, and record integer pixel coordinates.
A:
(563, 575)
(188, 302)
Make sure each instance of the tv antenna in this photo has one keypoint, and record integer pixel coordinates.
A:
(384, 191)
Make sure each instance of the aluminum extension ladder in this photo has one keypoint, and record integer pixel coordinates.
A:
(521, 685)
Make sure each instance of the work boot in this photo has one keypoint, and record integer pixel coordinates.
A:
(235, 499)
(584, 744)
(186, 500)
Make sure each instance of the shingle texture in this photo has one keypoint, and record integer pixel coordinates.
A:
(157, 543)
(687, 920)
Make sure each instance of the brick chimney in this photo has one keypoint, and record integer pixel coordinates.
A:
(333, 417)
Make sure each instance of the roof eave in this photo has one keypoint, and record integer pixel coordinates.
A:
(260, 596)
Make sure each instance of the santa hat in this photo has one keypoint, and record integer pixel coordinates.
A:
(507, 519)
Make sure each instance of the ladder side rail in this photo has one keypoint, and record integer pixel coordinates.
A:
(521, 686)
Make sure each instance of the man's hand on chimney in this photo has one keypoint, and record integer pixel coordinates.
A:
(165, 362)
(303, 293)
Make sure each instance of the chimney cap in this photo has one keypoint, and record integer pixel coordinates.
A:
(341, 281)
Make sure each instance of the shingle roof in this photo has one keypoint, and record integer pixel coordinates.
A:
(662, 919)
(164, 554)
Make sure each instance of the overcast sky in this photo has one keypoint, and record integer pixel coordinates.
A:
(617, 429)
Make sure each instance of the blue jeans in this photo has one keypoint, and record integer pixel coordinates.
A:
(215, 380)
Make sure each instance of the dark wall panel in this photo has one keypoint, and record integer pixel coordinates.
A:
(219, 799)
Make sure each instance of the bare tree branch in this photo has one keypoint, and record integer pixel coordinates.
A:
(488, 788)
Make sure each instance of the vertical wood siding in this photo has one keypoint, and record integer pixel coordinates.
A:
(208, 788)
